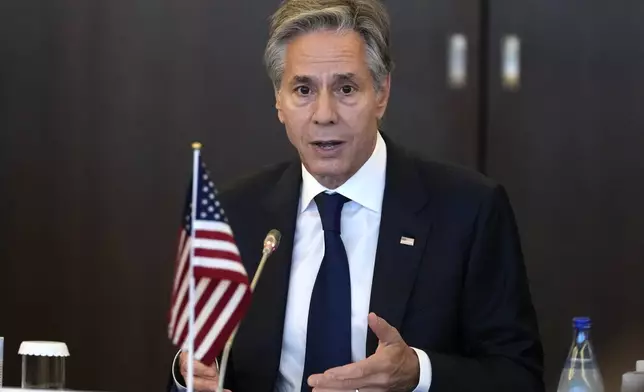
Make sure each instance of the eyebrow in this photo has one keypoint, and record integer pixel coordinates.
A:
(344, 77)
(301, 79)
(337, 78)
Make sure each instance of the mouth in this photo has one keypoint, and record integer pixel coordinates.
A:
(327, 145)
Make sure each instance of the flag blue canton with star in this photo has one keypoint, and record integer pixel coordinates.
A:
(208, 207)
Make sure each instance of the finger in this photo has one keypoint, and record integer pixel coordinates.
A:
(183, 357)
(200, 370)
(363, 384)
(365, 368)
(206, 371)
(331, 381)
(205, 385)
(386, 333)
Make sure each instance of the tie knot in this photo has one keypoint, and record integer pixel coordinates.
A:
(330, 208)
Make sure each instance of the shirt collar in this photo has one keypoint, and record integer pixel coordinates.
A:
(366, 187)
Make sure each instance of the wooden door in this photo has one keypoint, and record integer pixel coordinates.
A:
(569, 146)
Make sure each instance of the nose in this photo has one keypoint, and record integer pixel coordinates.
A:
(325, 113)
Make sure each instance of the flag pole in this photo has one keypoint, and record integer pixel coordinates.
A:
(196, 151)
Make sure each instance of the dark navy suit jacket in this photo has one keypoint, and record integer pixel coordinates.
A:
(460, 293)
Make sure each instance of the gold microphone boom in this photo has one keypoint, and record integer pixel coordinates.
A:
(271, 242)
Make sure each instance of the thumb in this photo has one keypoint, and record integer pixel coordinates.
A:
(386, 333)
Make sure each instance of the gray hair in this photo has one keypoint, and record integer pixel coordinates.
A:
(295, 17)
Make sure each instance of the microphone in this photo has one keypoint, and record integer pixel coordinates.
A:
(271, 242)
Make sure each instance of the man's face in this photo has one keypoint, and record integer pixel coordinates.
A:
(328, 104)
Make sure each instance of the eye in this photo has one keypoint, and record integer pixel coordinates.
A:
(347, 90)
(303, 90)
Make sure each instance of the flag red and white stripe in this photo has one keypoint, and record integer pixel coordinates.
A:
(222, 292)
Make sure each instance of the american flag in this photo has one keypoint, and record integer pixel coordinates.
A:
(222, 293)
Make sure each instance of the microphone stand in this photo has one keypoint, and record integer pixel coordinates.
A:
(270, 244)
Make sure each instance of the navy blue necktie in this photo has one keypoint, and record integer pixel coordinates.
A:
(328, 336)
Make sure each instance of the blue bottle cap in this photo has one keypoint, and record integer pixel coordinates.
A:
(581, 322)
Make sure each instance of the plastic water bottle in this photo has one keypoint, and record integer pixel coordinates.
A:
(581, 372)
(634, 381)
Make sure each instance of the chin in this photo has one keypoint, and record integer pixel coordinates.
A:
(325, 167)
(329, 173)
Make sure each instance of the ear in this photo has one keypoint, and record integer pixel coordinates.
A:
(278, 105)
(382, 97)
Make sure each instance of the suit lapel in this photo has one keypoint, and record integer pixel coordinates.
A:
(396, 262)
(264, 325)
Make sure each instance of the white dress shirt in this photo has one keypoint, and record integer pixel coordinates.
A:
(360, 224)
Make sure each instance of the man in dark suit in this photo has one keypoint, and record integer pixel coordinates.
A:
(394, 273)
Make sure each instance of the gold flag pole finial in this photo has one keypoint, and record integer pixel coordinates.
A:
(196, 146)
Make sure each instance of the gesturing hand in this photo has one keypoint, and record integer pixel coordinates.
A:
(394, 366)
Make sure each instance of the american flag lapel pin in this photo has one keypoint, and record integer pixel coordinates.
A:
(407, 241)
